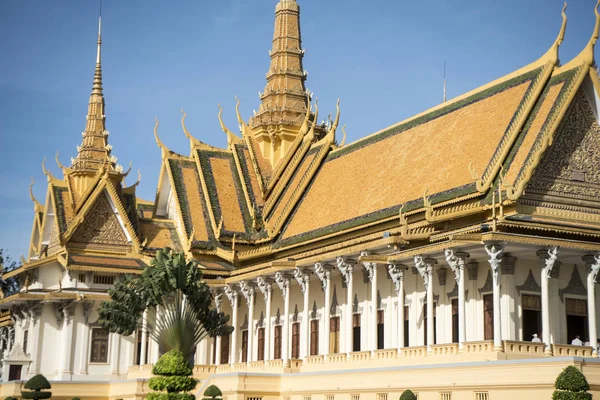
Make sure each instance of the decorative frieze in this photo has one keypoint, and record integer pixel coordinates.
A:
(574, 287)
(530, 285)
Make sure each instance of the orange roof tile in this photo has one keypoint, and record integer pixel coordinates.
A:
(159, 234)
(399, 164)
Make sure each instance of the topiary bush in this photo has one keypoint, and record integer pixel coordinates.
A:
(212, 393)
(10, 398)
(35, 385)
(75, 398)
(571, 385)
(408, 395)
(173, 380)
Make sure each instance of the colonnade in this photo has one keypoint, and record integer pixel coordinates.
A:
(456, 261)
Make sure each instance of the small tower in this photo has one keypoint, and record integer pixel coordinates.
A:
(94, 153)
(284, 103)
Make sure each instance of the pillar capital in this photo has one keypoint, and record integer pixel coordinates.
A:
(264, 285)
(247, 290)
(230, 291)
(548, 260)
(283, 282)
(346, 267)
(396, 272)
(302, 277)
(593, 263)
(456, 261)
(323, 272)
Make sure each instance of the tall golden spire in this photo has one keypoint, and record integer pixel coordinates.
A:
(94, 151)
(284, 100)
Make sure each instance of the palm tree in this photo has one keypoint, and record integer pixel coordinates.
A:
(175, 288)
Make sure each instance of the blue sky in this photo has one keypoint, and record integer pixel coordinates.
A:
(382, 58)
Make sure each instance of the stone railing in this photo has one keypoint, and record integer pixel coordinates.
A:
(140, 371)
(525, 348)
(360, 356)
(440, 353)
(386, 354)
(484, 346)
(314, 360)
(415, 351)
(567, 350)
(336, 358)
(444, 349)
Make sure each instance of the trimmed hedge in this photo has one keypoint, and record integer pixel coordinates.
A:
(408, 395)
(173, 378)
(36, 384)
(172, 363)
(571, 385)
(212, 393)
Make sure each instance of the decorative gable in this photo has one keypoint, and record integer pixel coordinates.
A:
(569, 168)
(102, 227)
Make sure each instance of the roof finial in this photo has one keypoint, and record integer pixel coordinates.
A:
(231, 137)
(97, 87)
(31, 196)
(586, 57)
(165, 150)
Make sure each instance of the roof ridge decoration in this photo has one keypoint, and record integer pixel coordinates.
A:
(586, 56)
(547, 62)
(232, 138)
(242, 124)
(36, 204)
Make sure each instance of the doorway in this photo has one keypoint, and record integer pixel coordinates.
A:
(532, 316)
(577, 324)
(454, 320)
(488, 316)
(356, 332)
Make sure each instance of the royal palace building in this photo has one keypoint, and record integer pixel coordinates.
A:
(462, 264)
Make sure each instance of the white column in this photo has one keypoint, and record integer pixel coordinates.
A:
(495, 253)
(593, 263)
(323, 272)
(232, 295)
(144, 337)
(547, 261)
(247, 290)
(155, 349)
(462, 324)
(425, 268)
(303, 279)
(283, 282)
(65, 312)
(346, 267)
(35, 337)
(371, 269)
(217, 344)
(83, 338)
(115, 350)
(397, 274)
(264, 284)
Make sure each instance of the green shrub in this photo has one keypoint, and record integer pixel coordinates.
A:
(172, 363)
(173, 378)
(212, 393)
(172, 384)
(408, 395)
(75, 398)
(571, 385)
(170, 396)
(38, 382)
(35, 385)
(10, 398)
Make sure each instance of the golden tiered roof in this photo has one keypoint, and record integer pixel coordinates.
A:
(517, 156)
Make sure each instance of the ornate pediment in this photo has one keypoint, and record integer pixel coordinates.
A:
(570, 166)
(101, 226)
(17, 355)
